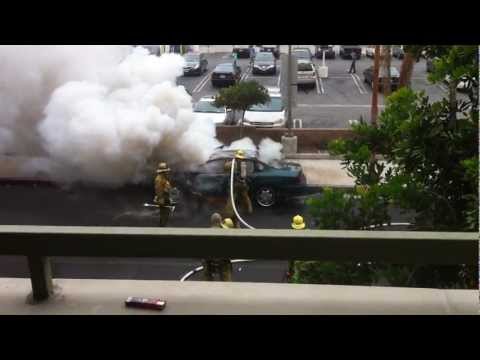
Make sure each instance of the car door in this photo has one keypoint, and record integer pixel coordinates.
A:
(212, 179)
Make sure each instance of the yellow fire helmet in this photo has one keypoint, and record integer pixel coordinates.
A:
(162, 168)
(298, 223)
(240, 154)
(227, 224)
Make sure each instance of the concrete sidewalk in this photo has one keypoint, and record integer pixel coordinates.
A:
(323, 172)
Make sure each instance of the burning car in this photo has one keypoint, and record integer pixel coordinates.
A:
(269, 183)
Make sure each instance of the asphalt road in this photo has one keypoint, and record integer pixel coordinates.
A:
(339, 98)
(26, 205)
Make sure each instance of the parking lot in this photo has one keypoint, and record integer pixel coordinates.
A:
(331, 104)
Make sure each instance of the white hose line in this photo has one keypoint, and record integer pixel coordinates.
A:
(232, 197)
(200, 268)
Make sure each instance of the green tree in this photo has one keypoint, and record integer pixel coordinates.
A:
(428, 165)
(241, 97)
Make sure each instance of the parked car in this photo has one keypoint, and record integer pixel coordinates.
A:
(306, 73)
(394, 77)
(328, 49)
(370, 51)
(264, 63)
(226, 74)
(268, 183)
(242, 51)
(205, 110)
(302, 54)
(271, 114)
(195, 64)
(397, 52)
(274, 49)
(347, 50)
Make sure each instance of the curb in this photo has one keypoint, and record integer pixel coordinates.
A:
(319, 156)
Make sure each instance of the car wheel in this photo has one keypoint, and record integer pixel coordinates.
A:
(265, 196)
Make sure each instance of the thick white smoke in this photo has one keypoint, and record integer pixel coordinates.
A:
(28, 77)
(269, 151)
(102, 114)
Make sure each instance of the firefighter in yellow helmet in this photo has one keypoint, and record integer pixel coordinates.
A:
(297, 224)
(162, 192)
(222, 267)
(240, 188)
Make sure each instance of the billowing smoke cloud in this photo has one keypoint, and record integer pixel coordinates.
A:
(242, 144)
(28, 77)
(102, 114)
(269, 151)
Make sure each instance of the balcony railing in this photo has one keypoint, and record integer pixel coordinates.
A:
(38, 243)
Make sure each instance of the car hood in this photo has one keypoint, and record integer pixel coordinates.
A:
(260, 116)
(264, 63)
(216, 118)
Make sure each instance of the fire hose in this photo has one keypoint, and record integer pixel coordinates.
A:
(232, 197)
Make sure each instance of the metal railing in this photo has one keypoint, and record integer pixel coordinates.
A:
(38, 243)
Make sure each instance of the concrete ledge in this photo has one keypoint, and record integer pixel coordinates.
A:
(102, 297)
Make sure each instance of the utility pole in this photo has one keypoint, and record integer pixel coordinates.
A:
(289, 140)
(289, 92)
(376, 70)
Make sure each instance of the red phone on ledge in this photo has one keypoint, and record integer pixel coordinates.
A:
(145, 303)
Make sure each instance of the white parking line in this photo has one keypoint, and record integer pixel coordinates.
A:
(356, 83)
(297, 123)
(246, 74)
(317, 82)
(202, 83)
(336, 106)
(360, 83)
(321, 85)
(279, 79)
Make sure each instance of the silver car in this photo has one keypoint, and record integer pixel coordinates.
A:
(306, 73)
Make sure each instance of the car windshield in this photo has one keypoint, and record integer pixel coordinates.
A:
(208, 107)
(192, 57)
(305, 67)
(274, 105)
(263, 56)
(302, 54)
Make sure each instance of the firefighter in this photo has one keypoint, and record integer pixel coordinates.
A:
(222, 267)
(240, 188)
(162, 193)
(297, 224)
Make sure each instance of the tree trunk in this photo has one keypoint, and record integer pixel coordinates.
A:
(387, 61)
(406, 70)
(241, 123)
(376, 69)
(452, 99)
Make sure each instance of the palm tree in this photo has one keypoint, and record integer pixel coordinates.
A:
(376, 70)
(386, 63)
(412, 54)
